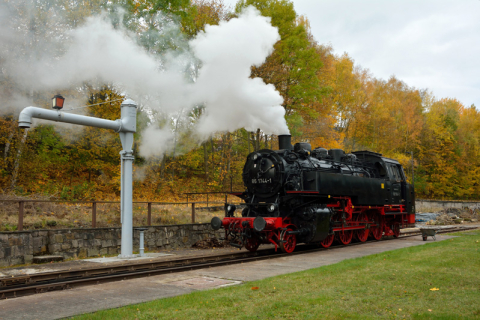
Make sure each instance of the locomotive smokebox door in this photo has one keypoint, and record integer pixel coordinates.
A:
(262, 173)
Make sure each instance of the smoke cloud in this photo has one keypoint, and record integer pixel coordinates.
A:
(233, 100)
(203, 90)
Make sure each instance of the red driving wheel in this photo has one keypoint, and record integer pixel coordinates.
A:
(377, 230)
(396, 229)
(327, 242)
(345, 237)
(252, 243)
(287, 241)
(362, 235)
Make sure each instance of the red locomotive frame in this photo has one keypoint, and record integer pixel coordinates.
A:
(347, 221)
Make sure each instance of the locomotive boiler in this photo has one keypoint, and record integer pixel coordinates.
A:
(299, 195)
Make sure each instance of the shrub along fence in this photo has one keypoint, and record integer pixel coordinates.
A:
(93, 205)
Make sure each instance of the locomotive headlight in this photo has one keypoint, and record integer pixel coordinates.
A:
(255, 156)
(271, 207)
(230, 209)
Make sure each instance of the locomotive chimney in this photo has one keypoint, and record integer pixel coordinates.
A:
(285, 142)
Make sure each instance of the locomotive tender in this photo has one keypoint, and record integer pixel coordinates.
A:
(298, 195)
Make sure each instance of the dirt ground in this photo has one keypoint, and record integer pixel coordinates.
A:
(456, 216)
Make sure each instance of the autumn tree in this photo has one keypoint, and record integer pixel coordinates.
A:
(344, 97)
(468, 145)
(391, 117)
(438, 156)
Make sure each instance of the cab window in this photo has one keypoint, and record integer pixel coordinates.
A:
(394, 172)
(381, 169)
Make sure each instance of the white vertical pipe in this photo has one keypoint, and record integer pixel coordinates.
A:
(142, 244)
(122, 183)
(129, 114)
(127, 223)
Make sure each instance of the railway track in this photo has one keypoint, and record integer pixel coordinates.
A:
(16, 286)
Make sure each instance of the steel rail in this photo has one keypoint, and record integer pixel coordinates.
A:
(11, 287)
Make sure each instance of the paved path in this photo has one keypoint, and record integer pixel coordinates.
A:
(60, 304)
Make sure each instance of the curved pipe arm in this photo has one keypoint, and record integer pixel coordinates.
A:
(25, 119)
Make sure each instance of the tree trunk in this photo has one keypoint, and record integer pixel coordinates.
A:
(205, 161)
(223, 161)
(229, 151)
(7, 146)
(16, 165)
(213, 155)
(175, 143)
(162, 166)
(252, 141)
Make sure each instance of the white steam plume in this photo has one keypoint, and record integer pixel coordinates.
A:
(155, 140)
(232, 99)
(229, 97)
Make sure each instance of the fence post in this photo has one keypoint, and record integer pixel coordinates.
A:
(149, 217)
(207, 200)
(94, 214)
(193, 212)
(21, 205)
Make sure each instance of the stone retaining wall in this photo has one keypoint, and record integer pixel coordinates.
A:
(20, 247)
(439, 205)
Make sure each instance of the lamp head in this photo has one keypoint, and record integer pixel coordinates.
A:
(57, 102)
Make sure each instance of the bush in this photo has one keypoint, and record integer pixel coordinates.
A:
(51, 223)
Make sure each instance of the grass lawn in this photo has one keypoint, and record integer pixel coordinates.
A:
(439, 280)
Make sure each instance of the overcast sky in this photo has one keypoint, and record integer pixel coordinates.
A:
(428, 44)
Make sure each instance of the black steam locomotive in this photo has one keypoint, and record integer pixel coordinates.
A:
(298, 195)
